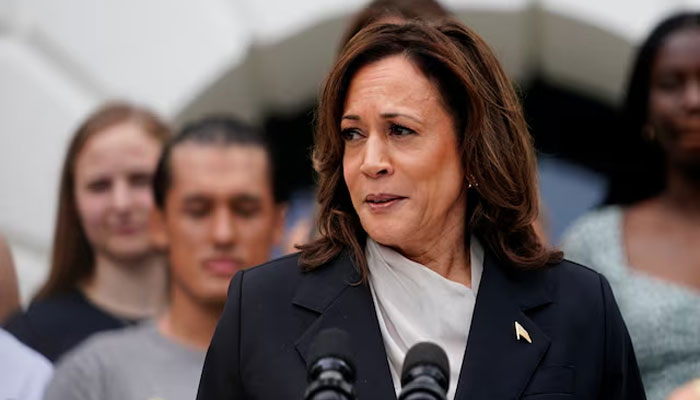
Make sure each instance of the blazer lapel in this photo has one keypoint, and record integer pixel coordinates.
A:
(496, 364)
(334, 293)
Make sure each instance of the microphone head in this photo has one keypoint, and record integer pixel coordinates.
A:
(425, 354)
(331, 342)
(331, 372)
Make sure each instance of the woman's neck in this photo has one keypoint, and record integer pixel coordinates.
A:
(189, 322)
(132, 290)
(452, 262)
(682, 194)
(446, 253)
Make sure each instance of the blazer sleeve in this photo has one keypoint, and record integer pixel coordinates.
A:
(621, 380)
(221, 379)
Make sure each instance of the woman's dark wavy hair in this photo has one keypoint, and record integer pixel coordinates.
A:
(642, 164)
(494, 143)
(72, 257)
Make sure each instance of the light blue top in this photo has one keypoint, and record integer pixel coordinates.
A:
(24, 373)
(663, 318)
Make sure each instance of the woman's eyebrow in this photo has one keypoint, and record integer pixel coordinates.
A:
(383, 115)
(397, 114)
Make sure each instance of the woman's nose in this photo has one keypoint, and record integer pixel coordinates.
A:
(691, 96)
(376, 161)
(121, 195)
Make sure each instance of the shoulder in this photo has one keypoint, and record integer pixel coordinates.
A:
(595, 237)
(283, 275)
(117, 343)
(589, 226)
(260, 290)
(557, 283)
(571, 277)
(53, 310)
(279, 286)
(43, 318)
(23, 372)
(286, 267)
(280, 280)
(23, 358)
(580, 291)
(80, 372)
(104, 351)
(571, 297)
(274, 277)
(55, 325)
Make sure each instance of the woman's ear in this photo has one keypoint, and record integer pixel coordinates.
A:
(156, 229)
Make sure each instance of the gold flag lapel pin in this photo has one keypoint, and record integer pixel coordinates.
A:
(521, 333)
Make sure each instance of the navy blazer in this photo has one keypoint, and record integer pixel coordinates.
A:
(580, 346)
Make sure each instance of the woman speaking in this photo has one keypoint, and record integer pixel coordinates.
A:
(427, 193)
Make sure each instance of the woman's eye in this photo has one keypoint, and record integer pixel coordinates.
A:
(350, 134)
(140, 179)
(400, 130)
(669, 82)
(99, 186)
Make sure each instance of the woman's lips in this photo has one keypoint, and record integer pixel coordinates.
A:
(222, 266)
(128, 229)
(383, 201)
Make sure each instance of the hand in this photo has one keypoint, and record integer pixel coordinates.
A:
(689, 391)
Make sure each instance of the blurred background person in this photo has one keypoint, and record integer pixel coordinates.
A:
(24, 373)
(9, 291)
(105, 272)
(648, 243)
(217, 212)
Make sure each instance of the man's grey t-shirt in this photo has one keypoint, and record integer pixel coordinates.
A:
(136, 363)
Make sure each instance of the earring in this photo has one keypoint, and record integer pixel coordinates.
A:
(469, 182)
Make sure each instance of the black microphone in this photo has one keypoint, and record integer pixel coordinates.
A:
(425, 374)
(331, 374)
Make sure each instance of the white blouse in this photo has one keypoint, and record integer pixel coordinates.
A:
(416, 304)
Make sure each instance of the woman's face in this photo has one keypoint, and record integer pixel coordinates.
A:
(674, 97)
(112, 176)
(401, 163)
